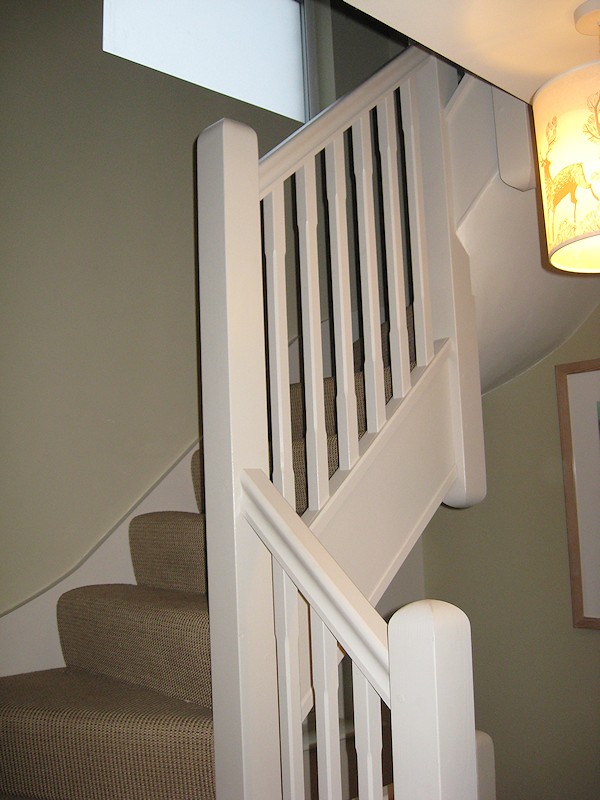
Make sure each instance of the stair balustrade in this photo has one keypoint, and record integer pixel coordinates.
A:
(419, 666)
(338, 187)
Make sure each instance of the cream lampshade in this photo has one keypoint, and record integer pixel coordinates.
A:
(566, 114)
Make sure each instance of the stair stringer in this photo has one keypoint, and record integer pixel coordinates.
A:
(382, 506)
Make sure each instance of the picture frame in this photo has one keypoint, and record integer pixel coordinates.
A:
(578, 393)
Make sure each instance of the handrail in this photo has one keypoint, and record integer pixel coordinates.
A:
(354, 622)
(283, 160)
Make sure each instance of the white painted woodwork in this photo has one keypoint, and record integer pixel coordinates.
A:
(452, 304)
(404, 475)
(433, 721)
(472, 151)
(244, 678)
(285, 600)
(277, 330)
(428, 665)
(369, 279)
(347, 613)
(416, 152)
(341, 303)
(367, 737)
(388, 146)
(424, 447)
(486, 767)
(314, 404)
(325, 679)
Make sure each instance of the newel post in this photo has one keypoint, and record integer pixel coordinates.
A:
(431, 688)
(452, 301)
(235, 438)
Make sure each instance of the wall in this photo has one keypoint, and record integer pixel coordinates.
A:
(361, 45)
(505, 563)
(98, 282)
(29, 638)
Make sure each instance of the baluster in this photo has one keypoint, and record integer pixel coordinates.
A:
(342, 309)
(369, 283)
(367, 737)
(285, 596)
(277, 327)
(388, 144)
(325, 680)
(418, 236)
(316, 437)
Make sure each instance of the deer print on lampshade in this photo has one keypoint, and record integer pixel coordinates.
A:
(567, 122)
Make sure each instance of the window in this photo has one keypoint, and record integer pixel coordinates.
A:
(248, 50)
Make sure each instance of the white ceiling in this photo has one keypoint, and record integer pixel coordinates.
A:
(514, 44)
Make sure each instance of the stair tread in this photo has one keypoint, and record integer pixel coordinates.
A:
(127, 741)
(155, 638)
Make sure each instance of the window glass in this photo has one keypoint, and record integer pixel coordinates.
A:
(248, 50)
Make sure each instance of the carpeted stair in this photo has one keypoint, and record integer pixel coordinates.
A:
(129, 717)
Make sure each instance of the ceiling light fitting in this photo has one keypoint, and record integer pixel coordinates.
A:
(587, 18)
(566, 114)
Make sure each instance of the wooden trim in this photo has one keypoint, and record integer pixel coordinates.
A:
(345, 611)
(580, 620)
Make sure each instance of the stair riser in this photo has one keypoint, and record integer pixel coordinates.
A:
(168, 550)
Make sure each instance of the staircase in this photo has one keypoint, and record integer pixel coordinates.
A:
(315, 492)
(130, 714)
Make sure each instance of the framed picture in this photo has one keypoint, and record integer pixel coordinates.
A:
(578, 389)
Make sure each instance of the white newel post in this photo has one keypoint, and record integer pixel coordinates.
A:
(452, 302)
(235, 438)
(431, 688)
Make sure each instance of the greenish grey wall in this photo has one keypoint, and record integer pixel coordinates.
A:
(97, 253)
(505, 563)
(361, 45)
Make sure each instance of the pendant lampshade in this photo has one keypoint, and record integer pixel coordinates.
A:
(566, 114)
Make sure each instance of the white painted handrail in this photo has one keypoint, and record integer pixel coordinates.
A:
(351, 618)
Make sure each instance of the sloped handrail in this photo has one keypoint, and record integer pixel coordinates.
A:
(351, 618)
